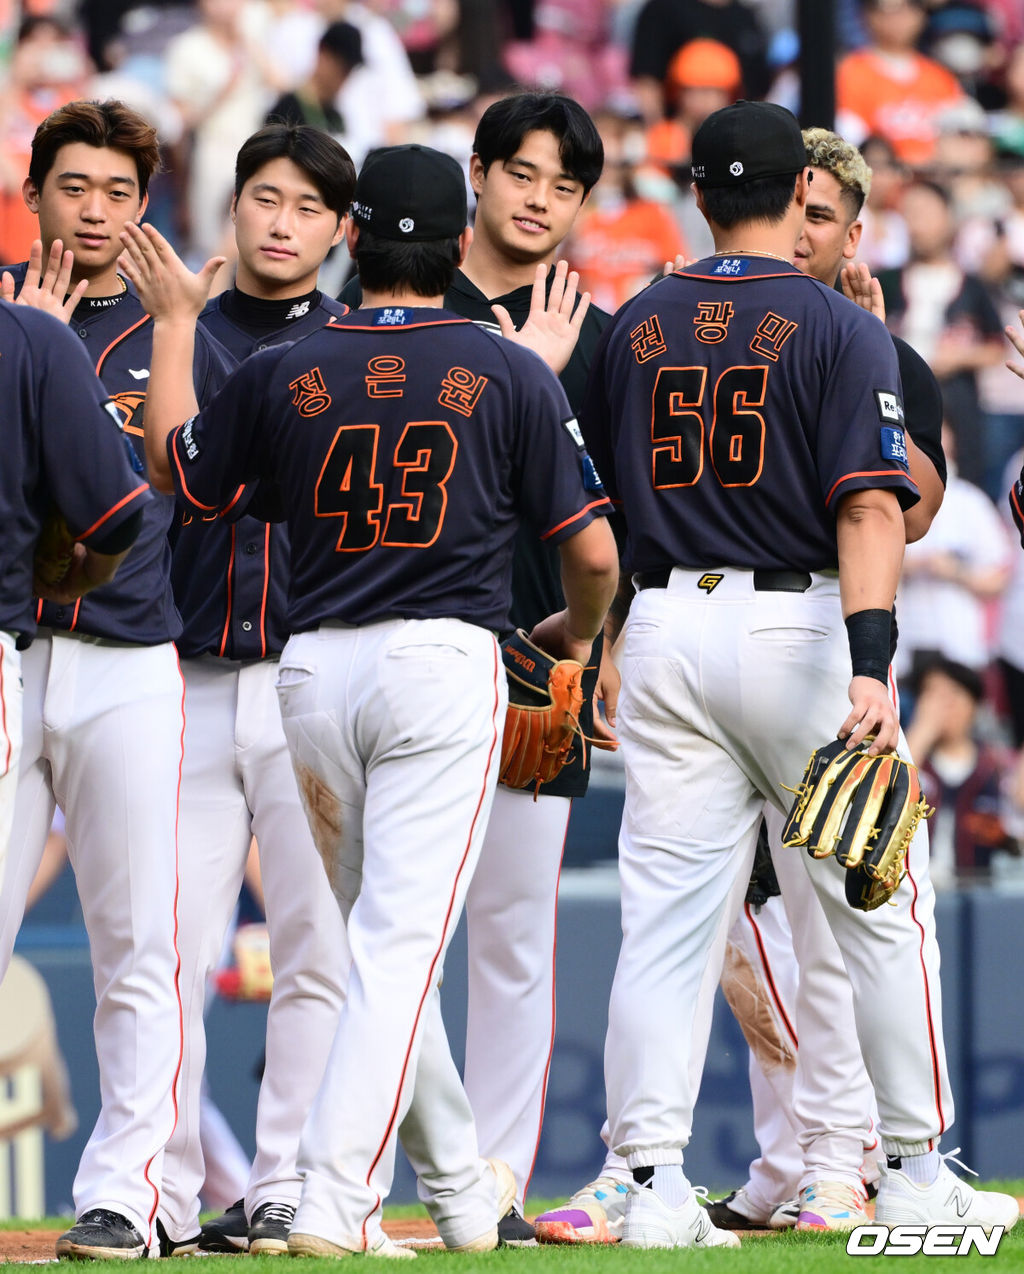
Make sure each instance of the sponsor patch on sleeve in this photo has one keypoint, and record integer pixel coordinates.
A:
(188, 438)
(574, 431)
(890, 409)
(591, 478)
(894, 445)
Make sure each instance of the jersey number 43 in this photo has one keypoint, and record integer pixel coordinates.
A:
(348, 486)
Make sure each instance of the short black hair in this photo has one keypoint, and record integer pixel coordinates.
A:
(109, 125)
(763, 199)
(326, 162)
(506, 122)
(387, 265)
(344, 42)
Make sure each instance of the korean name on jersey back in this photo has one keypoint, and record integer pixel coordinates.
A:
(423, 440)
(729, 410)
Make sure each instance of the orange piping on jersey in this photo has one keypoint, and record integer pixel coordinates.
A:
(234, 500)
(118, 339)
(110, 512)
(3, 715)
(74, 617)
(230, 584)
(266, 587)
(742, 278)
(596, 504)
(210, 508)
(431, 982)
(551, 1043)
(1016, 502)
(868, 473)
(766, 965)
(398, 327)
(39, 610)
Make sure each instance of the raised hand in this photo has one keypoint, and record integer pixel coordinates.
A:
(166, 286)
(863, 289)
(553, 325)
(47, 289)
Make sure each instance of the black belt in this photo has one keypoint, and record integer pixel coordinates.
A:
(764, 581)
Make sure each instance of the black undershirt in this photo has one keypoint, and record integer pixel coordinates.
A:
(255, 314)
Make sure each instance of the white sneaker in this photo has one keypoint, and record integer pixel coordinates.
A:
(650, 1222)
(947, 1201)
(831, 1205)
(594, 1214)
(505, 1195)
(314, 1245)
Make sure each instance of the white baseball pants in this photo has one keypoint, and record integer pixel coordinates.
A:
(394, 730)
(103, 726)
(238, 782)
(725, 695)
(511, 914)
(10, 741)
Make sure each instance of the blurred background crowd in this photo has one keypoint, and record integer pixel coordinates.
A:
(933, 92)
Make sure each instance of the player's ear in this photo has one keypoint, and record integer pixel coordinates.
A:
(351, 235)
(853, 235)
(340, 232)
(234, 209)
(30, 194)
(802, 187)
(142, 208)
(465, 239)
(477, 173)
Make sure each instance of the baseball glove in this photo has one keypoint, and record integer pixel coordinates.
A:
(544, 700)
(865, 810)
(53, 555)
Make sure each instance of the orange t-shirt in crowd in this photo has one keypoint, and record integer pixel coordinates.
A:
(617, 252)
(900, 106)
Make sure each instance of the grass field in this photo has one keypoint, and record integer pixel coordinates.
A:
(785, 1253)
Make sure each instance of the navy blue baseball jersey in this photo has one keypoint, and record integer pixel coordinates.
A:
(408, 431)
(137, 605)
(732, 405)
(62, 445)
(230, 578)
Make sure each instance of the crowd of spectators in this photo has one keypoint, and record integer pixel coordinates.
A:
(932, 90)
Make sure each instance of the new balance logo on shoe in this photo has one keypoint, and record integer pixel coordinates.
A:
(929, 1240)
(960, 1201)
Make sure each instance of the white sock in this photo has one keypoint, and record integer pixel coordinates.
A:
(922, 1169)
(670, 1184)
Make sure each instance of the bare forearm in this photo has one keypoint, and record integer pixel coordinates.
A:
(170, 394)
(871, 538)
(918, 518)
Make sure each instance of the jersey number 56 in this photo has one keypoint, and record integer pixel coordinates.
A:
(735, 438)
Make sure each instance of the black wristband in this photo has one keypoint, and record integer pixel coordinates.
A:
(869, 633)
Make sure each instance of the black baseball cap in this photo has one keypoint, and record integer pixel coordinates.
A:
(410, 194)
(745, 141)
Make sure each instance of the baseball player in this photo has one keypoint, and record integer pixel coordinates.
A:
(400, 443)
(826, 1115)
(536, 157)
(762, 484)
(760, 977)
(293, 186)
(63, 448)
(103, 706)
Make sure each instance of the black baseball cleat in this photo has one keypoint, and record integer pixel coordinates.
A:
(101, 1235)
(515, 1231)
(228, 1232)
(176, 1247)
(271, 1225)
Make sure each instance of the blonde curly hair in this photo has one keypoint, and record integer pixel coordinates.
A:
(832, 154)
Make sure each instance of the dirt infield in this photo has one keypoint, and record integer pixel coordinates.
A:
(21, 1246)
